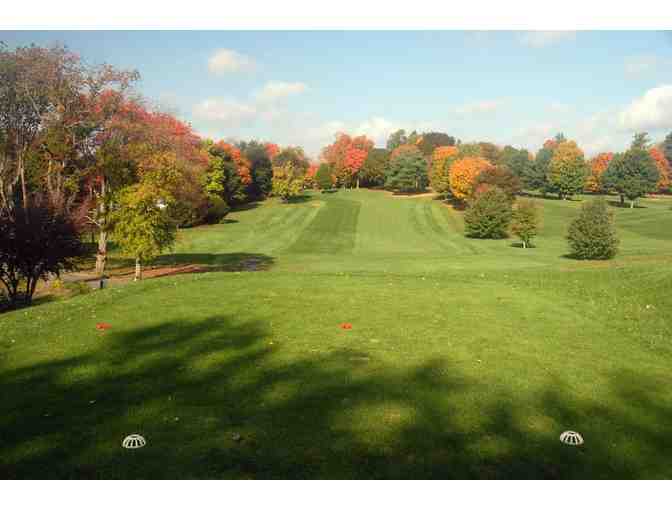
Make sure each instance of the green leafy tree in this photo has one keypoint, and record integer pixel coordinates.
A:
(396, 139)
(567, 170)
(488, 215)
(375, 168)
(408, 172)
(261, 168)
(525, 221)
(324, 177)
(632, 174)
(537, 175)
(518, 161)
(490, 152)
(143, 225)
(469, 150)
(433, 139)
(293, 155)
(287, 182)
(667, 148)
(592, 235)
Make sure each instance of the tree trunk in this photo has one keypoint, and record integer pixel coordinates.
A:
(622, 200)
(357, 182)
(101, 256)
(138, 270)
(22, 175)
(524, 244)
(632, 204)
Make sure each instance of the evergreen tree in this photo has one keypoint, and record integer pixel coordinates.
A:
(408, 172)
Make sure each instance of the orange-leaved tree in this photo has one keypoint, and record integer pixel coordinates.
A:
(439, 172)
(663, 168)
(347, 156)
(463, 173)
(597, 167)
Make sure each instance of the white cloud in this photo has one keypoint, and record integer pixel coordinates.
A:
(651, 111)
(479, 107)
(559, 107)
(540, 38)
(276, 90)
(225, 110)
(225, 61)
(642, 64)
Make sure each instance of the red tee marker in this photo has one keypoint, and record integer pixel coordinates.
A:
(102, 326)
(346, 325)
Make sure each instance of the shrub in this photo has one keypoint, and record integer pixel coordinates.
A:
(592, 235)
(35, 243)
(525, 221)
(217, 210)
(488, 215)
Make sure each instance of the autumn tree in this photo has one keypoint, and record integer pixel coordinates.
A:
(632, 174)
(309, 179)
(663, 167)
(439, 173)
(501, 177)
(375, 167)
(598, 165)
(592, 235)
(287, 181)
(463, 173)
(408, 172)
(228, 175)
(567, 169)
(347, 156)
(525, 221)
(488, 214)
(466, 150)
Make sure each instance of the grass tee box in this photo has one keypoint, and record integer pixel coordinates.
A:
(466, 358)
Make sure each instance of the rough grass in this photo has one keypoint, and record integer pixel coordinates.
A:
(466, 359)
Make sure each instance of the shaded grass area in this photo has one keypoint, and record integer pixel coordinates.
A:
(410, 392)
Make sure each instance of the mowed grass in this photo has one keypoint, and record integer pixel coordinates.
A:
(466, 358)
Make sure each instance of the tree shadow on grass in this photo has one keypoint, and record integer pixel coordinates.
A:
(217, 399)
(626, 205)
(216, 262)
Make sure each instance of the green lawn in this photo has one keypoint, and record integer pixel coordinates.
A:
(466, 358)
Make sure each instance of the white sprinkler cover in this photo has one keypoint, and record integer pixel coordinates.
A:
(572, 438)
(133, 441)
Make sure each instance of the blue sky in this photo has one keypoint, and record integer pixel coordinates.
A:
(302, 87)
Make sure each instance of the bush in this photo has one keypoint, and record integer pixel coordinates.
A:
(525, 221)
(592, 235)
(217, 210)
(35, 243)
(488, 215)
